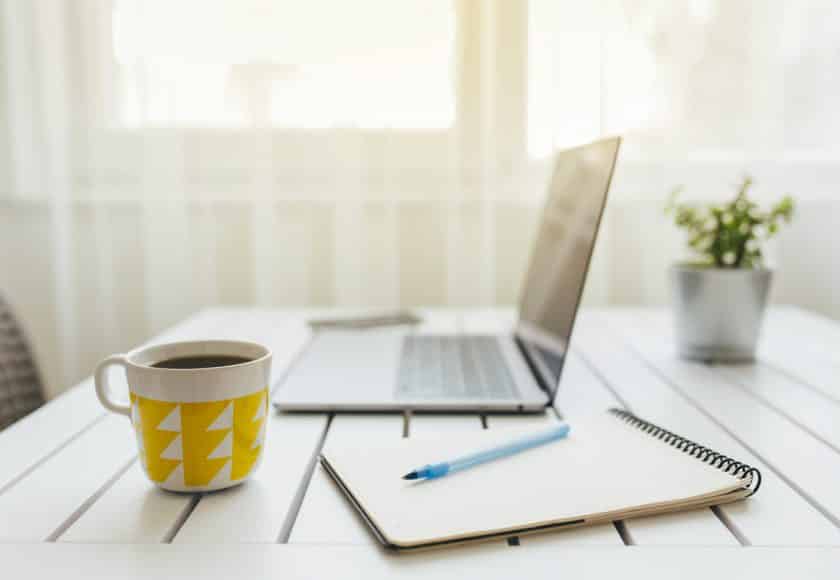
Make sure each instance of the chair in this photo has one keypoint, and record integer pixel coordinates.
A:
(20, 385)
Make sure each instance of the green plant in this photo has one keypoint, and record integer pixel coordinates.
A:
(729, 235)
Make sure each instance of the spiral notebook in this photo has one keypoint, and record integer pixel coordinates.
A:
(613, 466)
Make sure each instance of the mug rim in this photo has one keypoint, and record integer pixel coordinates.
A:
(131, 355)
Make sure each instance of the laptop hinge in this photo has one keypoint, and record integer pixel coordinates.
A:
(532, 365)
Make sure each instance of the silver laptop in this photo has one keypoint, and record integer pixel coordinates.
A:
(396, 369)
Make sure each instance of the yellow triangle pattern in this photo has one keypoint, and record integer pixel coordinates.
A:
(198, 442)
(155, 441)
(249, 415)
(246, 428)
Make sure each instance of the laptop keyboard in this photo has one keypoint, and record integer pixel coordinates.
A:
(454, 367)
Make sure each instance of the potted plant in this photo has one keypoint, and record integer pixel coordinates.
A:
(719, 298)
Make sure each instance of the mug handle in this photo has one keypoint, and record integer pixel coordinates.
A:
(103, 391)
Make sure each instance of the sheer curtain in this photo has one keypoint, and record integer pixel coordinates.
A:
(159, 157)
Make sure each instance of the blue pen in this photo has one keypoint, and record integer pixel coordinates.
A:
(440, 469)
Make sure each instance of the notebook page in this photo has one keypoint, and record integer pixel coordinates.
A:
(604, 465)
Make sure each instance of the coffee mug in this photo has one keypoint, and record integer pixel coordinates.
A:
(198, 409)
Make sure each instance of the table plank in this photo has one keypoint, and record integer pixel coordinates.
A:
(703, 405)
(823, 333)
(39, 504)
(132, 511)
(801, 361)
(425, 425)
(794, 343)
(25, 444)
(257, 561)
(800, 404)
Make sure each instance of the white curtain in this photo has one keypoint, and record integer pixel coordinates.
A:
(158, 157)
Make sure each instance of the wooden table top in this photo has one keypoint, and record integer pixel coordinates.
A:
(74, 500)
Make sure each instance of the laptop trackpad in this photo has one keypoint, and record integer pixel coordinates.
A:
(346, 366)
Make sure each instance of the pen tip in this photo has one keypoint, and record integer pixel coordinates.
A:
(412, 475)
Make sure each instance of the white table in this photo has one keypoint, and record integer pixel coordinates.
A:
(75, 504)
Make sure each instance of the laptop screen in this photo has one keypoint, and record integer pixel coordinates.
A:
(560, 259)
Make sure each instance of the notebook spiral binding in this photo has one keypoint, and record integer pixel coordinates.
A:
(710, 456)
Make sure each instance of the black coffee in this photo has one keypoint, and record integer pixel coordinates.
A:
(201, 361)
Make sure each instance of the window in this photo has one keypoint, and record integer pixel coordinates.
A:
(702, 78)
(284, 63)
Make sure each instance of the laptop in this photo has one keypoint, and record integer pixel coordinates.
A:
(395, 369)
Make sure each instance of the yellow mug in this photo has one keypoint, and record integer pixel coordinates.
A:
(198, 409)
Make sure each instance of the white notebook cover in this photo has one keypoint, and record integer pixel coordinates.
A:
(604, 470)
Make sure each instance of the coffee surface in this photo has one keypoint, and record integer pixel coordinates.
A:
(201, 361)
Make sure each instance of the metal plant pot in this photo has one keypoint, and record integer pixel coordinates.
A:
(718, 311)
